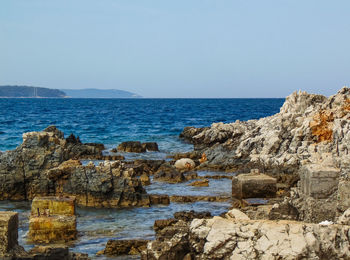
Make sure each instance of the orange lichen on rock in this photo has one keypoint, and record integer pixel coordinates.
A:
(204, 158)
(346, 106)
(322, 126)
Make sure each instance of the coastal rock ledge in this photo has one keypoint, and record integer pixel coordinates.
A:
(307, 124)
(47, 164)
(240, 238)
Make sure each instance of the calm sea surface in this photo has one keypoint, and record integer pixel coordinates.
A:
(111, 121)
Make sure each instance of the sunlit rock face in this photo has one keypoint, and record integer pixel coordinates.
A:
(306, 124)
(238, 237)
(46, 164)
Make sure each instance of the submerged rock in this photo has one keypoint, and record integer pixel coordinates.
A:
(151, 146)
(200, 183)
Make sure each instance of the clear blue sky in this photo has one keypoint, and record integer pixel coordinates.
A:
(182, 48)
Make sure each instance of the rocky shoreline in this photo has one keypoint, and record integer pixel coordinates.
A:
(295, 161)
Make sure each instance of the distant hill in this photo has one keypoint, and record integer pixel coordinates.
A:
(99, 93)
(30, 92)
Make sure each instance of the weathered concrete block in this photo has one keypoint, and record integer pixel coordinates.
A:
(54, 205)
(8, 231)
(318, 181)
(57, 228)
(253, 185)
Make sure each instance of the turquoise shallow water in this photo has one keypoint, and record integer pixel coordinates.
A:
(111, 121)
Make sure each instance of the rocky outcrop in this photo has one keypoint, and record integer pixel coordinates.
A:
(238, 237)
(44, 165)
(306, 124)
(109, 184)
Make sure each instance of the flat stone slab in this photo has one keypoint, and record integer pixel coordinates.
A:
(54, 205)
(8, 231)
(253, 185)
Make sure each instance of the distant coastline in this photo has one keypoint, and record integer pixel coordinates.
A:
(8, 91)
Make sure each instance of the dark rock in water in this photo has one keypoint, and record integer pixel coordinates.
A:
(149, 166)
(145, 180)
(124, 247)
(114, 150)
(131, 147)
(98, 146)
(41, 166)
(73, 140)
(168, 173)
(159, 199)
(194, 155)
(191, 176)
(190, 199)
(190, 215)
(200, 183)
(55, 252)
(151, 146)
(136, 147)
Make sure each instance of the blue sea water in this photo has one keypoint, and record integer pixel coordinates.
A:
(111, 121)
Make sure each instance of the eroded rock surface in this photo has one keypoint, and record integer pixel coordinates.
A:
(306, 123)
(45, 165)
(238, 237)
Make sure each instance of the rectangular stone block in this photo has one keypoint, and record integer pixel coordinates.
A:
(52, 229)
(318, 181)
(8, 231)
(253, 185)
(54, 205)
